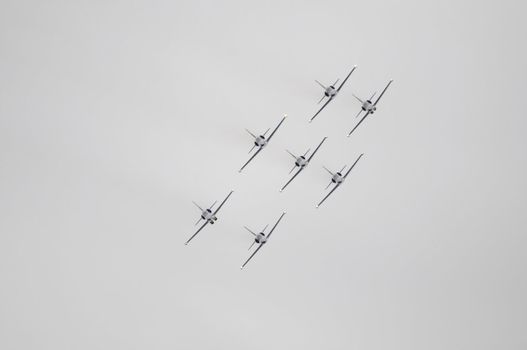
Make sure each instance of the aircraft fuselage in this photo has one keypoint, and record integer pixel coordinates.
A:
(260, 141)
(301, 161)
(368, 106)
(330, 91)
(260, 238)
(207, 215)
(337, 178)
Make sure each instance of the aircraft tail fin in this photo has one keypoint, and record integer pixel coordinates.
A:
(361, 101)
(329, 171)
(319, 83)
(250, 133)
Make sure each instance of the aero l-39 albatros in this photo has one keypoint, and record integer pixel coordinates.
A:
(260, 238)
(337, 179)
(330, 92)
(208, 215)
(301, 162)
(368, 107)
(261, 141)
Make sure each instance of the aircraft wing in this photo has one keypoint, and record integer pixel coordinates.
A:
(271, 232)
(360, 121)
(254, 155)
(382, 93)
(291, 179)
(316, 149)
(218, 208)
(281, 121)
(194, 235)
(340, 87)
(321, 108)
(353, 165)
(326, 197)
(253, 254)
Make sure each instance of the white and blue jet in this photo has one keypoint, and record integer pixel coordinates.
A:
(260, 238)
(337, 179)
(301, 162)
(261, 141)
(368, 106)
(330, 92)
(208, 215)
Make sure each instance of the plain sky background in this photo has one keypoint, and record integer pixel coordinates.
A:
(115, 115)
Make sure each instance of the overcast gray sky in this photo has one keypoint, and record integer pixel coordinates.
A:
(115, 115)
